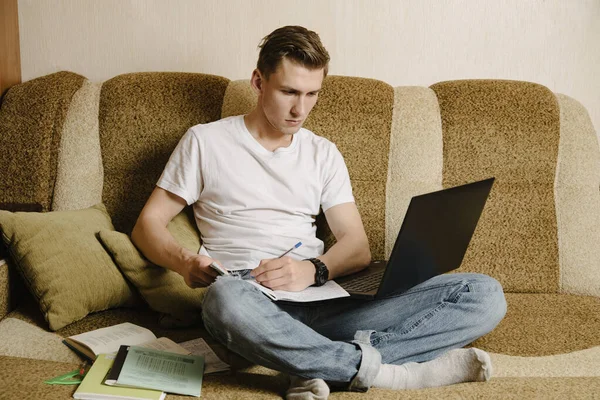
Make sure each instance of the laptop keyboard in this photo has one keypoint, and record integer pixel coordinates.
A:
(364, 283)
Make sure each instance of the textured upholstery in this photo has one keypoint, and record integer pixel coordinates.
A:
(545, 324)
(415, 158)
(356, 115)
(578, 200)
(79, 174)
(31, 120)
(142, 117)
(508, 130)
(63, 264)
(538, 234)
(5, 300)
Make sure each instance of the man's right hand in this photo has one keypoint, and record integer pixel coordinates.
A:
(197, 271)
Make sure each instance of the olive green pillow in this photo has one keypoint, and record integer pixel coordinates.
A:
(164, 290)
(62, 263)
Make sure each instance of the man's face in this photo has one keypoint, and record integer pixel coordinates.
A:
(289, 95)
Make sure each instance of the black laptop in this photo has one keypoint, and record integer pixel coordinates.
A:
(433, 239)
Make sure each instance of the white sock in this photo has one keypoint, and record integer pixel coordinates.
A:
(455, 366)
(307, 389)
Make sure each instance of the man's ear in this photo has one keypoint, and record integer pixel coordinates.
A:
(256, 81)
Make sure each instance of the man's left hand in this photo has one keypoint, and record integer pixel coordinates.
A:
(285, 273)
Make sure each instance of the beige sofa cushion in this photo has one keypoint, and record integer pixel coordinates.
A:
(63, 264)
(79, 172)
(578, 200)
(164, 290)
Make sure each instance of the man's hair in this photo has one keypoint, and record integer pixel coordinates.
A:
(295, 43)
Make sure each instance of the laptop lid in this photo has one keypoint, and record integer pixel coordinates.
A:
(432, 240)
(434, 236)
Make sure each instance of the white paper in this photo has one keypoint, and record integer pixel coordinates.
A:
(199, 347)
(165, 344)
(330, 290)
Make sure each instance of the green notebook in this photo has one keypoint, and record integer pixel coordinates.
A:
(161, 370)
(93, 386)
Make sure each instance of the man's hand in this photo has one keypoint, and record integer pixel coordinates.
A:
(197, 271)
(285, 273)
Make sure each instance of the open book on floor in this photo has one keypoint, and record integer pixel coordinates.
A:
(108, 340)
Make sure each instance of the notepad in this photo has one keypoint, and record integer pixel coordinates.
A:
(92, 386)
(154, 369)
(330, 290)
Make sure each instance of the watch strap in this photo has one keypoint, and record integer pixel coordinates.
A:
(321, 271)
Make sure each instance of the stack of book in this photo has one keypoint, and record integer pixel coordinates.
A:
(130, 362)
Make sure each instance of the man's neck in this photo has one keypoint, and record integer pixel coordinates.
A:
(268, 137)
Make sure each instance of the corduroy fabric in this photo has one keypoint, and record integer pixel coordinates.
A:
(164, 290)
(142, 117)
(31, 121)
(62, 263)
(79, 173)
(356, 115)
(545, 324)
(509, 130)
(578, 200)
(415, 159)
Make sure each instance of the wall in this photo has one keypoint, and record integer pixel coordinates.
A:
(10, 61)
(405, 43)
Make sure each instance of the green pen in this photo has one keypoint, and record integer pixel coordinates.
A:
(74, 377)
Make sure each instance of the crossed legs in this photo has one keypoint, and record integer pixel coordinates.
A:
(346, 342)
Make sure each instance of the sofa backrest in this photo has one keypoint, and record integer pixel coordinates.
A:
(31, 124)
(538, 232)
(142, 117)
(509, 130)
(459, 132)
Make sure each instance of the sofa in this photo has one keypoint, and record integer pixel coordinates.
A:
(79, 159)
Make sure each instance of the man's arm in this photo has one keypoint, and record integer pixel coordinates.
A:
(351, 251)
(350, 254)
(152, 237)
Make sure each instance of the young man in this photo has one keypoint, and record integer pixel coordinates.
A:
(256, 183)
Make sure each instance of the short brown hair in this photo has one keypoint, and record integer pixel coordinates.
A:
(295, 43)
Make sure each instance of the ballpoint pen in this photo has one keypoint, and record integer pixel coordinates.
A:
(223, 271)
(293, 248)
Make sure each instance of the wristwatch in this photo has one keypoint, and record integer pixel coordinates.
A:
(321, 273)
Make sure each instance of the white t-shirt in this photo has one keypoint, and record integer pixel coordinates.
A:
(250, 203)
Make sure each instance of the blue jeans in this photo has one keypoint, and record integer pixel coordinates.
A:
(344, 341)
